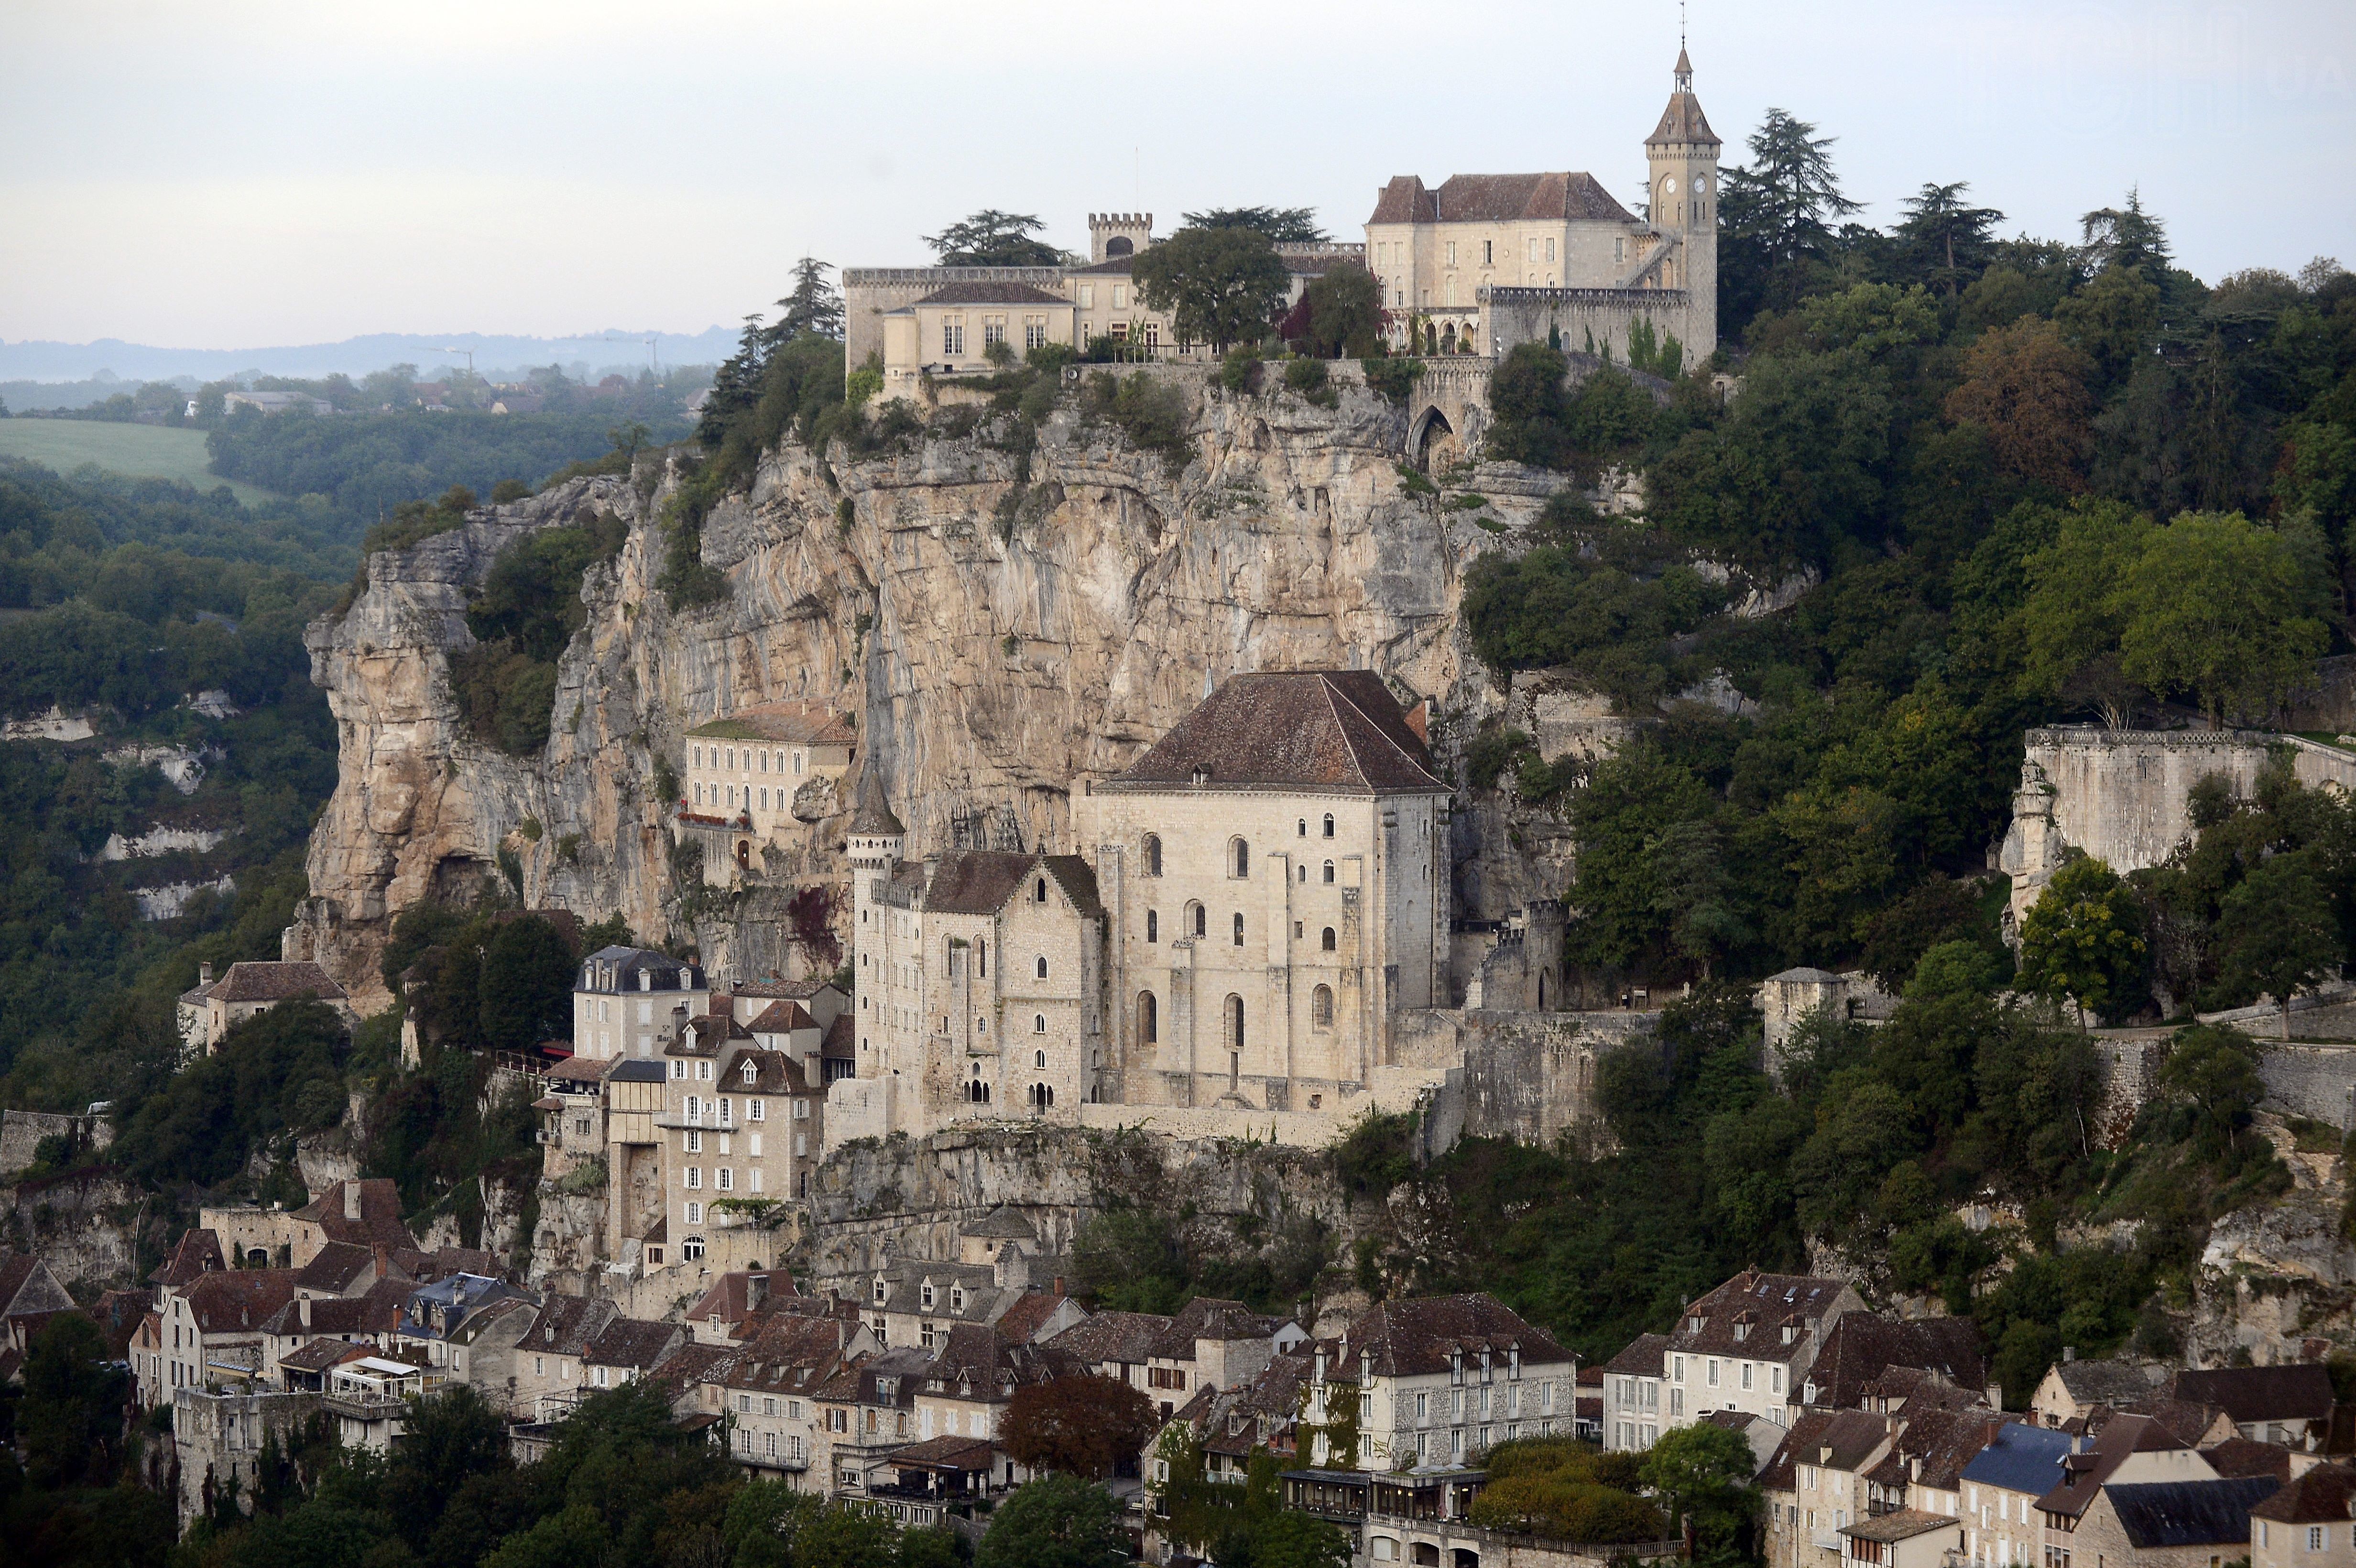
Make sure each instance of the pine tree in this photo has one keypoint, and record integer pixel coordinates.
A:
(814, 306)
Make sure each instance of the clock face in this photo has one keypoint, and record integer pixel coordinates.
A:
(1702, 184)
(1670, 184)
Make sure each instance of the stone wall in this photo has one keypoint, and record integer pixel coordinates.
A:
(2123, 795)
(21, 1132)
(2328, 703)
(218, 1438)
(2311, 1080)
(1516, 315)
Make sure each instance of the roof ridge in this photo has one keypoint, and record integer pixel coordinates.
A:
(1334, 689)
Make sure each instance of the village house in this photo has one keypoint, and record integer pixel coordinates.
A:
(2001, 1486)
(571, 1115)
(367, 1322)
(736, 1297)
(760, 778)
(748, 1128)
(212, 1328)
(1435, 1381)
(1903, 1538)
(210, 1008)
(625, 1350)
(1750, 1345)
(2309, 1523)
(2168, 1524)
(866, 1409)
(1858, 1350)
(1816, 1485)
(360, 1212)
(1929, 1450)
(2128, 1450)
(2288, 1403)
(1632, 1394)
(768, 1391)
(550, 1358)
(370, 1398)
(29, 1297)
(624, 999)
(2070, 1388)
(974, 1372)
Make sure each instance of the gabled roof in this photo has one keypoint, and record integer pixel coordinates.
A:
(2188, 1513)
(334, 1314)
(842, 1038)
(567, 1324)
(318, 1355)
(379, 1219)
(801, 990)
(1124, 1336)
(1750, 1314)
(578, 1070)
(970, 1455)
(1860, 1347)
(1209, 1317)
(780, 1017)
(1422, 1334)
(1642, 1359)
(2327, 1492)
(627, 964)
(2087, 1470)
(2300, 1391)
(1005, 1220)
(1336, 732)
(1834, 1439)
(732, 1297)
(238, 1301)
(335, 1266)
(255, 982)
(196, 1252)
(791, 722)
(1683, 122)
(634, 1342)
(1559, 196)
(27, 1288)
(1029, 1313)
(2242, 1456)
(1902, 1524)
(2117, 1383)
(983, 881)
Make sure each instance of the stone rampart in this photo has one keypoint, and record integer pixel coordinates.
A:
(21, 1132)
(1525, 1076)
(2124, 796)
(1518, 314)
(2313, 1080)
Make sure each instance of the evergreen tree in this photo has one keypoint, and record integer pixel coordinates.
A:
(814, 306)
(993, 239)
(1776, 217)
(1946, 242)
(1282, 225)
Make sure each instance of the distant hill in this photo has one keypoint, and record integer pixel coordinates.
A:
(31, 360)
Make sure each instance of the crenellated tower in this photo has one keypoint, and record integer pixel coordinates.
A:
(1682, 154)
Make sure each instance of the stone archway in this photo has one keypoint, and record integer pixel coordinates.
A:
(1433, 443)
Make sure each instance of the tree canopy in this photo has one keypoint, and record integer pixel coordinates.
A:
(993, 239)
(1221, 287)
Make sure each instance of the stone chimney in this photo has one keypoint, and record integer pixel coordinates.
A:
(205, 973)
(304, 1311)
(352, 1200)
(756, 1290)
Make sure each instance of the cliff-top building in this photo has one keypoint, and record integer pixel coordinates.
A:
(1258, 895)
(1474, 265)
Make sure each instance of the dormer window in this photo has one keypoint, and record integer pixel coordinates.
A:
(925, 1294)
(749, 1070)
(1791, 1332)
(1456, 1365)
(1742, 1331)
(1693, 1324)
(645, 979)
(879, 1290)
(1039, 892)
(956, 1299)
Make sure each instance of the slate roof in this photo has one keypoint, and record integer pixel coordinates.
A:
(2301, 1391)
(796, 722)
(567, 1324)
(2087, 1470)
(1336, 732)
(1860, 1347)
(1003, 1221)
(2117, 1383)
(1418, 1336)
(1125, 1336)
(636, 1070)
(257, 982)
(318, 1355)
(1642, 1359)
(800, 990)
(2190, 1513)
(2241, 1457)
(1683, 120)
(1945, 1441)
(841, 1038)
(1497, 198)
(961, 1454)
(627, 963)
(334, 1314)
(239, 1301)
(873, 817)
(1835, 1439)
(981, 881)
(1209, 1317)
(2327, 1492)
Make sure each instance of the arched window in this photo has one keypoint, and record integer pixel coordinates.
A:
(692, 1248)
(1038, 1023)
(1039, 967)
(1329, 871)
(1234, 1020)
(1149, 1018)
(1239, 928)
(1039, 892)
(1303, 827)
(1152, 855)
(1325, 939)
(1201, 920)
(1039, 1059)
(1329, 825)
(1239, 856)
(1321, 1008)
(1152, 925)
(982, 960)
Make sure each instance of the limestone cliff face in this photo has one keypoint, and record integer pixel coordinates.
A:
(998, 630)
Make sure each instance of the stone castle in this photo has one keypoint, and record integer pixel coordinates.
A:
(1473, 266)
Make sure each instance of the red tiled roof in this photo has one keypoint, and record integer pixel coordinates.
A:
(196, 1252)
(992, 293)
(1029, 1314)
(794, 722)
(239, 1301)
(254, 982)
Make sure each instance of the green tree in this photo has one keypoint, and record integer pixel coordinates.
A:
(1220, 286)
(1281, 225)
(2083, 939)
(1775, 216)
(69, 1416)
(815, 305)
(1527, 406)
(1703, 1472)
(2228, 610)
(1944, 239)
(1056, 1521)
(2214, 1070)
(526, 986)
(2279, 933)
(1343, 305)
(2075, 612)
(993, 239)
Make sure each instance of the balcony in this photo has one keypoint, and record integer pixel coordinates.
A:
(366, 1406)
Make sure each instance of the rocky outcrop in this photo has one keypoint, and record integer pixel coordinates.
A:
(999, 624)
(86, 1225)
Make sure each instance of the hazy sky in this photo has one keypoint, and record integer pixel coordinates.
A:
(244, 173)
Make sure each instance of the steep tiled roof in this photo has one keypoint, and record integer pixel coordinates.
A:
(1749, 1317)
(1208, 1318)
(379, 1219)
(1860, 1347)
(780, 1017)
(1945, 1441)
(841, 1038)
(632, 1342)
(2241, 1457)
(872, 817)
(318, 1355)
(334, 1314)
(981, 881)
(1835, 1439)
(335, 1266)
(795, 723)
(733, 1295)
(1126, 1336)
(800, 990)
(1683, 120)
(1642, 1359)
(1498, 199)
(239, 1301)
(2328, 1492)
(578, 1070)
(2190, 1513)
(1330, 730)
(1421, 1334)
(676, 1373)
(196, 1252)
(2117, 1383)
(1029, 1313)
(567, 1324)
(117, 1314)
(972, 1455)
(1004, 1220)
(1902, 1524)
(2301, 1391)
(2086, 1470)
(254, 982)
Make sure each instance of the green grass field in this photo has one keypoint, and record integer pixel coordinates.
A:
(141, 451)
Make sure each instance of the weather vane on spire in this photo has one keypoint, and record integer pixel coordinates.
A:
(1681, 25)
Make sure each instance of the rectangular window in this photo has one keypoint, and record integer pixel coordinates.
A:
(694, 1139)
(1549, 249)
(1710, 1376)
(1120, 296)
(695, 1177)
(755, 1111)
(2315, 1538)
(725, 1178)
(1746, 1374)
(1034, 336)
(1489, 258)
(695, 1214)
(993, 330)
(953, 337)
(1087, 296)
(1451, 252)
(1774, 1380)
(1534, 248)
